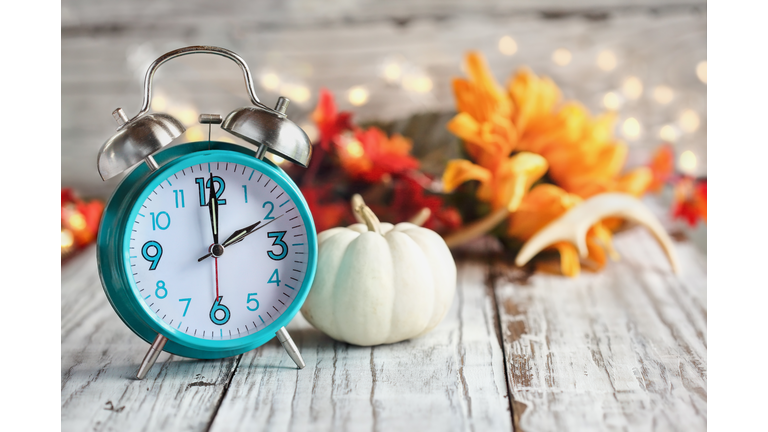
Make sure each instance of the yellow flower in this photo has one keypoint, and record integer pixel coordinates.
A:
(514, 136)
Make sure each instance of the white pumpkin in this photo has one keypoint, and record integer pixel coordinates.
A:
(377, 283)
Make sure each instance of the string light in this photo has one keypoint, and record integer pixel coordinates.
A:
(195, 134)
(354, 148)
(77, 222)
(392, 72)
(357, 95)
(612, 101)
(507, 46)
(270, 81)
(701, 71)
(687, 162)
(67, 239)
(561, 56)
(668, 133)
(159, 103)
(186, 115)
(632, 87)
(296, 93)
(417, 83)
(606, 60)
(631, 128)
(689, 121)
(663, 94)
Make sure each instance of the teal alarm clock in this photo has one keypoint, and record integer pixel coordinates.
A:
(206, 249)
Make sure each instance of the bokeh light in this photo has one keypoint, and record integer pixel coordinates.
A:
(689, 121)
(417, 83)
(668, 133)
(632, 87)
(507, 46)
(687, 162)
(354, 148)
(67, 239)
(296, 93)
(612, 101)
(631, 128)
(270, 81)
(701, 71)
(561, 56)
(606, 60)
(392, 72)
(358, 95)
(663, 94)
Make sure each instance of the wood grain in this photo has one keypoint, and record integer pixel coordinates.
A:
(99, 360)
(623, 349)
(450, 379)
(107, 47)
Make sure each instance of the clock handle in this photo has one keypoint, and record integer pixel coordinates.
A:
(198, 49)
(151, 356)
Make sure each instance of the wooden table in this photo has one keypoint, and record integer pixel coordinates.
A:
(623, 349)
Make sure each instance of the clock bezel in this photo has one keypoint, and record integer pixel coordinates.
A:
(113, 261)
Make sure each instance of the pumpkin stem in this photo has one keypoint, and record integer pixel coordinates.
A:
(364, 214)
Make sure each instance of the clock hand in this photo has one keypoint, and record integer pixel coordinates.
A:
(240, 234)
(213, 212)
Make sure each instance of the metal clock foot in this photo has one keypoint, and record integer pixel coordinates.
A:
(151, 356)
(285, 339)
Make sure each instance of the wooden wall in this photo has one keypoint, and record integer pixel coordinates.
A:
(107, 47)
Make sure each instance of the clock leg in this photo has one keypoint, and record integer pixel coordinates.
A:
(287, 342)
(151, 356)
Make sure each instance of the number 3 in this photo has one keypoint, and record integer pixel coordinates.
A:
(278, 241)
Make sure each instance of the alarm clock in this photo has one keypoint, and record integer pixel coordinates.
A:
(206, 249)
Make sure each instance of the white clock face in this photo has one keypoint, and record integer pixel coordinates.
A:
(251, 283)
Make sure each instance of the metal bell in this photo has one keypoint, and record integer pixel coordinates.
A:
(138, 138)
(135, 141)
(271, 131)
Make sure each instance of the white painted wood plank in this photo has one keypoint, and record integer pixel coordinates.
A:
(450, 379)
(103, 70)
(99, 360)
(623, 349)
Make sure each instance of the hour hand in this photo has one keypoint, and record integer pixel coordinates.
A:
(239, 235)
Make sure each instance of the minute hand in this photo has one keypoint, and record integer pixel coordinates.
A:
(240, 234)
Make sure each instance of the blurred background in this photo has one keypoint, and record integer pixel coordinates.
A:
(389, 63)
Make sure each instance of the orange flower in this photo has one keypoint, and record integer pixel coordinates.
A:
(369, 154)
(504, 185)
(528, 120)
(662, 166)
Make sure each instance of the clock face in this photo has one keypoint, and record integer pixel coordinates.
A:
(263, 261)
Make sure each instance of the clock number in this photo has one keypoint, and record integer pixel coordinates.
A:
(161, 286)
(278, 241)
(218, 307)
(275, 278)
(155, 258)
(271, 208)
(157, 223)
(250, 300)
(188, 300)
(245, 192)
(177, 193)
(202, 186)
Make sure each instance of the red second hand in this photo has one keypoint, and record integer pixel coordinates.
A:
(216, 265)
